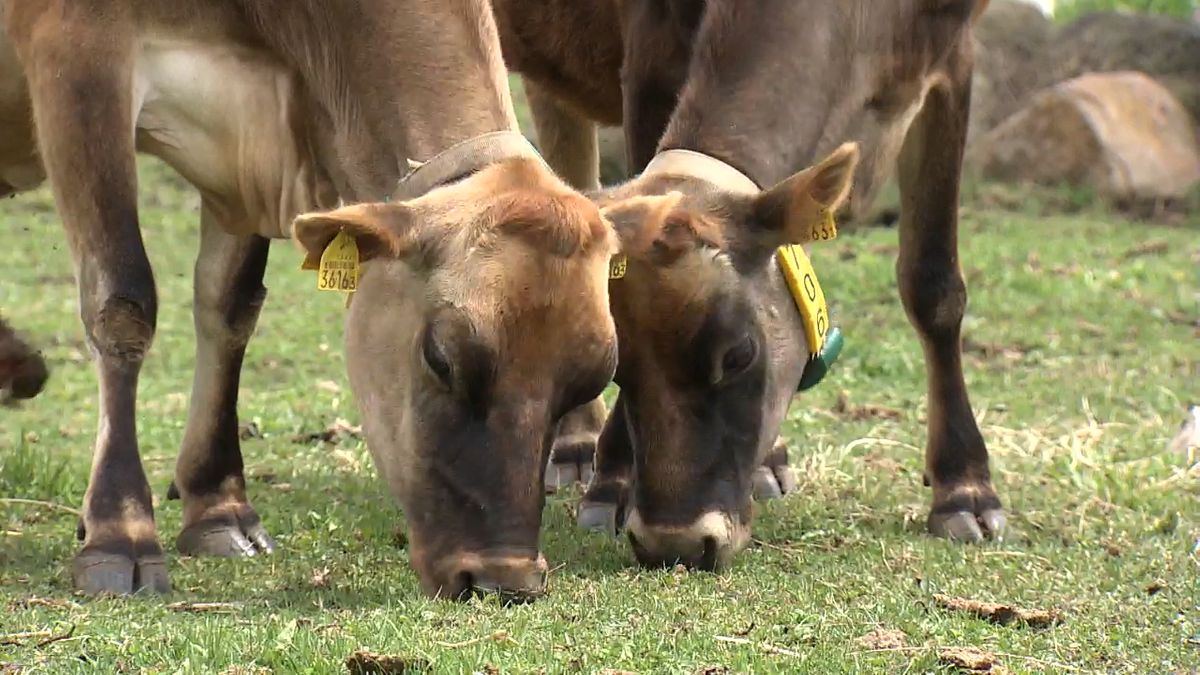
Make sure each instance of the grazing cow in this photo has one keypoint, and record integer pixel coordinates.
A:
(481, 316)
(23, 372)
(720, 99)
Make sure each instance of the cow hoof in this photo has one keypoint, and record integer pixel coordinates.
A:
(772, 482)
(95, 572)
(570, 463)
(226, 536)
(966, 526)
(766, 485)
(603, 517)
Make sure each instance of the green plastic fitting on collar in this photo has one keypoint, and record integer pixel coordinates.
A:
(818, 367)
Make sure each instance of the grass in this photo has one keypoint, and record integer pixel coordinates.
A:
(1081, 356)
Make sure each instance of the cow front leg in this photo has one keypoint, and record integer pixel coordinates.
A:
(774, 478)
(932, 288)
(604, 504)
(79, 67)
(573, 454)
(217, 517)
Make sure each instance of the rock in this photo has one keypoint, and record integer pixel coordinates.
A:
(1011, 40)
(1165, 48)
(1121, 134)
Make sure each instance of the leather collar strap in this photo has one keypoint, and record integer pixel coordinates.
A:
(704, 167)
(463, 159)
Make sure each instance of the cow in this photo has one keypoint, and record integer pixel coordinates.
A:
(23, 371)
(725, 105)
(480, 317)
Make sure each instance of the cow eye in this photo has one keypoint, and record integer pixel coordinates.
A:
(436, 359)
(739, 357)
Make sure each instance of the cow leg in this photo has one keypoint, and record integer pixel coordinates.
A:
(217, 517)
(82, 103)
(658, 51)
(603, 506)
(574, 449)
(567, 141)
(774, 478)
(932, 288)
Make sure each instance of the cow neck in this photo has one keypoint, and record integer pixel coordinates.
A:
(463, 159)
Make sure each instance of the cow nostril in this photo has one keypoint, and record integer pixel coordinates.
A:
(708, 559)
(466, 585)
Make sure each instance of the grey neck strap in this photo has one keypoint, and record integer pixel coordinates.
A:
(704, 167)
(463, 159)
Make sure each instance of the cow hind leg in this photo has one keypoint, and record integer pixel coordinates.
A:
(932, 288)
(217, 517)
(80, 76)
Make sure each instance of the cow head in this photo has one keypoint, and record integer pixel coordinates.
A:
(711, 347)
(481, 318)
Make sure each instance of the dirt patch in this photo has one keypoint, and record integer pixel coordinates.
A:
(248, 431)
(334, 433)
(972, 660)
(990, 351)
(363, 662)
(867, 411)
(204, 607)
(883, 638)
(999, 613)
(1152, 247)
(320, 577)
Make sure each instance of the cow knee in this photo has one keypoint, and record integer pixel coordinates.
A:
(229, 318)
(935, 298)
(122, 329)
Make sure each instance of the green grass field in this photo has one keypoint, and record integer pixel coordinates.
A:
(1082, 352)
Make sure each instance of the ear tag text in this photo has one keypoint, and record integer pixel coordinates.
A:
(617, 266)
(339, 266)
(825, 228)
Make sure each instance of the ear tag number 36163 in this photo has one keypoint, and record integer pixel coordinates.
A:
(338, 270)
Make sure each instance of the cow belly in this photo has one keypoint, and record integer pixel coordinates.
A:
(20, 168)
(224, 117)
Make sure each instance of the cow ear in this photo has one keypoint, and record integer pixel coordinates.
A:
(638, 220)
(378, 230)
(789, 212)
(654, 229)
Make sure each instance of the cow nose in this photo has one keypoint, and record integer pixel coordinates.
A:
(513, 576)
(709, 543)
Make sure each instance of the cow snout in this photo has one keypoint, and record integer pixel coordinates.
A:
(514, 576)
(708, 544)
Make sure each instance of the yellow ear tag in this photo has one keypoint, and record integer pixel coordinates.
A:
(825, 228)
(338, 270)
(806, 291)
(617, 266)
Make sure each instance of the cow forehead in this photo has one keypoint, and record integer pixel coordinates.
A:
(513, 289)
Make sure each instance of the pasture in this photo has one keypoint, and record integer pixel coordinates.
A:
(1082, 350)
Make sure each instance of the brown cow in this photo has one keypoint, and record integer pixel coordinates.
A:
(722, 98)
(481, 316)
(23, 371)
